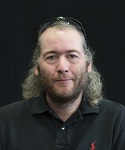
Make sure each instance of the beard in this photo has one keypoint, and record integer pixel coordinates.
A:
(66, 96)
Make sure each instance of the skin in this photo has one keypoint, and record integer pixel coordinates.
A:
(63, 70)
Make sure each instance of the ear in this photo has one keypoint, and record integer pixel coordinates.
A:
(36, 71)
(89, 68)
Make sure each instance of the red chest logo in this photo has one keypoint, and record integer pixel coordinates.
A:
(93, 146)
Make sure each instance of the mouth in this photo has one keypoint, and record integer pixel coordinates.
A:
(64, 81)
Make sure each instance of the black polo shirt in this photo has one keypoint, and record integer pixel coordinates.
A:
(32, 125)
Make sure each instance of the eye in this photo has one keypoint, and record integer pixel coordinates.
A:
(73, 58)
(51, 59)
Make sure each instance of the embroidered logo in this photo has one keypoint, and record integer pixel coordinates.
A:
(93, 146)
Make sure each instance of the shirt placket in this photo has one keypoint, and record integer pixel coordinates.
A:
(61, 139)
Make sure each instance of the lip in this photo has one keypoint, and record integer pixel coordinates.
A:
(64, 81)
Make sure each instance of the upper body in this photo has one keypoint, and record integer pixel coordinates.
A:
(71, 114)
(33, 125)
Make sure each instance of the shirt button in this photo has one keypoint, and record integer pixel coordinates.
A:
(63, 128)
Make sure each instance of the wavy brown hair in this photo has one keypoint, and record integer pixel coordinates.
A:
(32, 86)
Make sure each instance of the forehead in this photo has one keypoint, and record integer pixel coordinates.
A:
(63, 37)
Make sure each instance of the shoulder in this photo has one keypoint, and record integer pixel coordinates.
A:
(112, 106)
(114, 113)
(113, 110)
(15, 108)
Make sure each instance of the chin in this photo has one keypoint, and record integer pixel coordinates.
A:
(65, 92)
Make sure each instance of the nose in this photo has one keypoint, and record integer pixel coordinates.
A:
(62, 65)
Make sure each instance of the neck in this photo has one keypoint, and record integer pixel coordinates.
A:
(64, 111)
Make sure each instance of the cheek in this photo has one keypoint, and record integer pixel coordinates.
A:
(81, 67)
(47, 71)
(78, 71)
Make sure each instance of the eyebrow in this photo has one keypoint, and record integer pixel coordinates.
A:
(49, 52)
(55, 52)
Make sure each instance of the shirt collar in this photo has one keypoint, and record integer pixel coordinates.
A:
(39, 105)
(86, 108)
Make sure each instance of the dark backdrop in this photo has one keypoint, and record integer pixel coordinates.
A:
(105, 28)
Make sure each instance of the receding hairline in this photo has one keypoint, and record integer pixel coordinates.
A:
(61, 27)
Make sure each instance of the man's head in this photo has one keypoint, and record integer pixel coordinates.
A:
(62, 63)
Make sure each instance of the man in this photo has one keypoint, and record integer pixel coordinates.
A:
(65, 109)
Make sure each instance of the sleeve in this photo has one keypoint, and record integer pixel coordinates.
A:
(119, 131)
(3, 131)
(0, 147)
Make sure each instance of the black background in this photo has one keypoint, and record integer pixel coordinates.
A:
(104, 21)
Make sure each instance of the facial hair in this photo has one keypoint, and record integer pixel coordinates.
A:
(80, 82)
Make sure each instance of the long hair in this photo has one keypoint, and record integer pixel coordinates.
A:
(32, 86)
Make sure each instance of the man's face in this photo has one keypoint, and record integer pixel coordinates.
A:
(62, 64)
